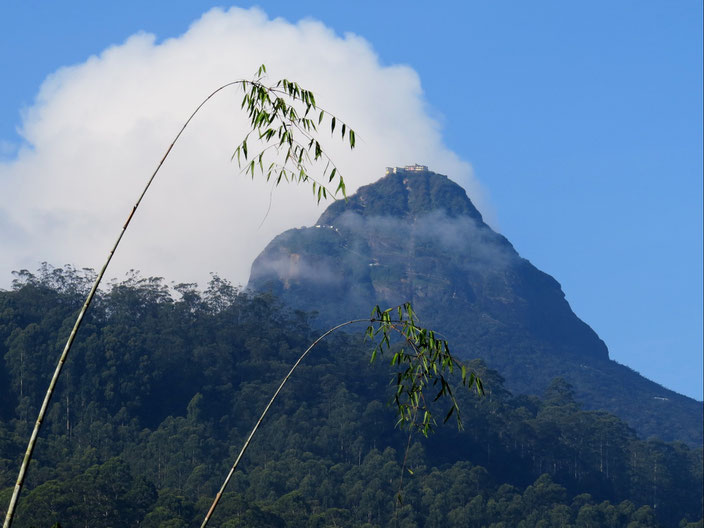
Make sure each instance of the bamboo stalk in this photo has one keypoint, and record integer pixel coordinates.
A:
(89, 299)
(266, 410)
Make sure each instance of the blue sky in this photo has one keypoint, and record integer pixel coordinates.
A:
(582, 122)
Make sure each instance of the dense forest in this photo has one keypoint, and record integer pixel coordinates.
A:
(165, 382)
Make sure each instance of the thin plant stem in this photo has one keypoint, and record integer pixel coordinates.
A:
(266, 410)
(72, 336)
(398, 500)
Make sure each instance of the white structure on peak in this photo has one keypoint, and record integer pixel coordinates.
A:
(411, 168)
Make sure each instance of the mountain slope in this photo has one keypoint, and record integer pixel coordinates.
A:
(415, 236)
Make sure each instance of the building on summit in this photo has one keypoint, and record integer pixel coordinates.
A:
(409, 168)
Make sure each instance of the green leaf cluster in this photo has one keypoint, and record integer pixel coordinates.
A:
(284, 120)
(423, 361)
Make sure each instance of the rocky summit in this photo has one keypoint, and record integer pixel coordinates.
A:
(415, 236)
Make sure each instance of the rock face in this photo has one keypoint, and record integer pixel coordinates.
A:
(415, 236)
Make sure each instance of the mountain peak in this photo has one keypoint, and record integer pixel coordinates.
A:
(414, 236)
(406, 192)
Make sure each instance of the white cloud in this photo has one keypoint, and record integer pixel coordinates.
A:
(97, 130)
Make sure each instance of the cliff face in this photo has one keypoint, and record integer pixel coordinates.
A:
(415, 236)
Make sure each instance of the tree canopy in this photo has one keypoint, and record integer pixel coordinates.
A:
(173, 376)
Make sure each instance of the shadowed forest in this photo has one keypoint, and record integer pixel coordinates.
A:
(166, 382)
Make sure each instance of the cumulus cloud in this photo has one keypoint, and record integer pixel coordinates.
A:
(97, 129)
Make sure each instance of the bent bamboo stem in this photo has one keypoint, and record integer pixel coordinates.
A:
(89, 299)
(266, 410)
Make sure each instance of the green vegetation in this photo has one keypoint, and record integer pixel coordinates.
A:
(279, 123)
(421, 359)
(142, 426)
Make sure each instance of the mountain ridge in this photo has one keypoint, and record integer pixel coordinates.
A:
(415, 235)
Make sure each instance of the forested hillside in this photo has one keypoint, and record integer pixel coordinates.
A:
(164, 384)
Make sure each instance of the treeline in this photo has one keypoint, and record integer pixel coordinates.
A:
(164, 384)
